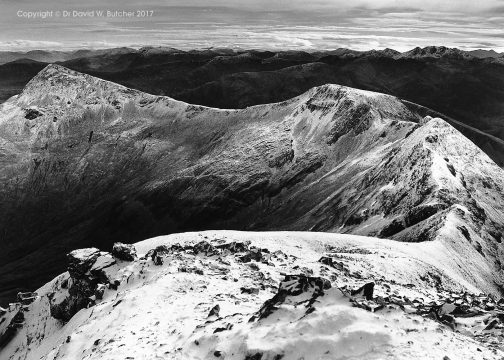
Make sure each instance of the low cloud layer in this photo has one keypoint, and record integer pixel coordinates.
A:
(295, 24)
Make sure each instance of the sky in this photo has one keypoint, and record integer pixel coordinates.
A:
(266, 24)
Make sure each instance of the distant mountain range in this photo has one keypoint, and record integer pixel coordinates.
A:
(461, 85)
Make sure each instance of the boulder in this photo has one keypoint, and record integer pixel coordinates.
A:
(126, 252)
(365, 291)
(80, 261)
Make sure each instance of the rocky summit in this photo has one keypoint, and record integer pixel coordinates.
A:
(240, 295)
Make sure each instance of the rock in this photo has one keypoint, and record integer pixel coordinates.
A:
(80, 261)
(204, 247)
(157, 258)
(253, 266)
(431, 138)
(255, 254)
(446, 309)
(214, 311)
(294, 285)
(100, 290)
(87, 272)
(126, 252)
(31, 114)
(26, 298)
(252, 254)
(193, 270)
(491, 325)
(64, 283)
(256, 356)
(366, 291)
(221, 329)
(103, 261)
(246, 290)
(330, 262)
(234, 247)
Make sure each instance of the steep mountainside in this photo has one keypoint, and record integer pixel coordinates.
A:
(86, 162)
(254, 296)
(467, 86)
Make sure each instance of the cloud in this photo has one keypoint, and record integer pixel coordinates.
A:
(29, 44)
(303, 24)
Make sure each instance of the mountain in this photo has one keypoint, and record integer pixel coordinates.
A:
(55, 56)
(457, 84)
(480, 53)
(241, 295)
(87, 162)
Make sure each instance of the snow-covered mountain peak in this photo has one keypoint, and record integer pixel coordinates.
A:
(56, 84)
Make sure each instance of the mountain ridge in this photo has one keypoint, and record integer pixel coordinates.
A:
(118, 164)
(464, 88)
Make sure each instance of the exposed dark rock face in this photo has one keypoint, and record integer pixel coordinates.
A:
(365, 290)
(81, 261)
(88, 280)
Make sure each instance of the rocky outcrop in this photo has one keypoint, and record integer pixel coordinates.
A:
(86, 284)
(80, 261)
(126, 252)
(304, 290)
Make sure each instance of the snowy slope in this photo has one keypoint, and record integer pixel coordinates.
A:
(86, 162)
(228, 295)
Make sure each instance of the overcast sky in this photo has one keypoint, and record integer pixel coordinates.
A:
(304, 24)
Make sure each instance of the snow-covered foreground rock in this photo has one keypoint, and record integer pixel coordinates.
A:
(245, 295)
